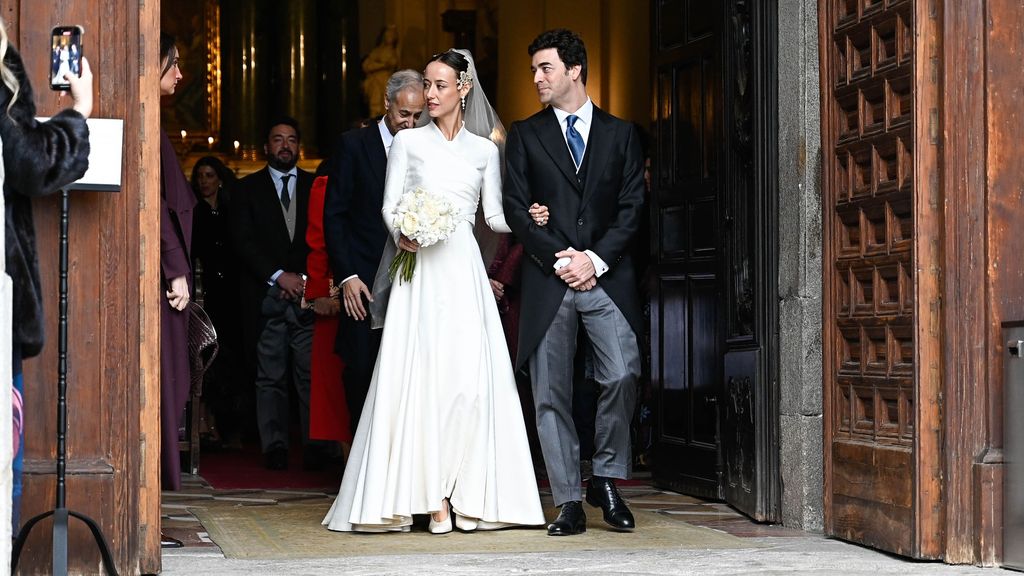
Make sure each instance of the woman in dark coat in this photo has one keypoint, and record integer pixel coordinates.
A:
(39, 158)
(213, 261)
(176, 203)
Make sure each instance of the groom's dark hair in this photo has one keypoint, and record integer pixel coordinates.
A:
(569, 46)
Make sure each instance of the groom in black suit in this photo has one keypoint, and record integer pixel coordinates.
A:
(354, 227)
(587, 167)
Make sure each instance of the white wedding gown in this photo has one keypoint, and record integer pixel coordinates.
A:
(442, 417)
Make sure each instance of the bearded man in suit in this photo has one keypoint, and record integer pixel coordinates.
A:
(268, 227)
(354, 227)
(587, 167)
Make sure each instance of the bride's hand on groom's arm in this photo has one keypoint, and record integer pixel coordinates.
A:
(407, 244)
(539, 214)
(353, 291)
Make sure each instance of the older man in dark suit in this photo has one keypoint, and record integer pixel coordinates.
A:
(354, 227)
(586, 166)
(268, 225)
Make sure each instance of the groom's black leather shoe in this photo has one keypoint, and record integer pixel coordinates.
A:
(602, 493)
(571, 520)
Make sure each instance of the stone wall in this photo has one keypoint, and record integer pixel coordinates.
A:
(800, 247)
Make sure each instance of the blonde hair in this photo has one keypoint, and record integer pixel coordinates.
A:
(8, 77)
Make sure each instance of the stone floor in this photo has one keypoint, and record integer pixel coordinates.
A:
(773, 549)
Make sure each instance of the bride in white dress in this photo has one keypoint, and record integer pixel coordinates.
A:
(64, 68)
(442, 429)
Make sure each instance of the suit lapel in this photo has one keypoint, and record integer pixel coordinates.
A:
(550, 135)
(599, 145)
(375, 152)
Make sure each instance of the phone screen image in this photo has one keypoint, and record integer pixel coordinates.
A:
(65, 55)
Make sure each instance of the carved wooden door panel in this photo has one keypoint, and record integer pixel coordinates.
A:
(880, 393)
(685, 311)
(748, 399)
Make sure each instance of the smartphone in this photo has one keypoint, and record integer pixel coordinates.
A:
(65, 55)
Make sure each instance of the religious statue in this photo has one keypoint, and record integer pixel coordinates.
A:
(378, 66)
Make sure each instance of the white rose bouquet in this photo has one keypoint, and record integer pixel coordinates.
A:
(425, 217)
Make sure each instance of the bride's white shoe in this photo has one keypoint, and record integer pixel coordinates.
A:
(444, 526)
(471, 524)
(466, 524)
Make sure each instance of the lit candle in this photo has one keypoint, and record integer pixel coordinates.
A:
(209, 142)
(183, 135)
(236, 147)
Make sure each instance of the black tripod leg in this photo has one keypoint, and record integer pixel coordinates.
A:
(60, 542)
(101, 542)
(19, 542)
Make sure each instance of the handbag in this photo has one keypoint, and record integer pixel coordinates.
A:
(202, 342)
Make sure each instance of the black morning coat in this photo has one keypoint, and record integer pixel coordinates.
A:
(598, 210)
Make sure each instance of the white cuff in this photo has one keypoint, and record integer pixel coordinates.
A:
(599, 265)
(347, 279)
(274, 278)
(497, 223)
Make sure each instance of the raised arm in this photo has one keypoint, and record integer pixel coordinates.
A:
(39, 157)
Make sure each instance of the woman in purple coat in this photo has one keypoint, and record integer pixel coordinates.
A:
(176, 203)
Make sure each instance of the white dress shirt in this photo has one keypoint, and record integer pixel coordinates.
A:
(584, 119)
(385, 135)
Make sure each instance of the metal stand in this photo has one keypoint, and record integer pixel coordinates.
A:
(61, 513)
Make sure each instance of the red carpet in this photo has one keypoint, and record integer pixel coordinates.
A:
(236, 469)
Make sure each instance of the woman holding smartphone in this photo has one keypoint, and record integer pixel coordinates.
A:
(39, 158)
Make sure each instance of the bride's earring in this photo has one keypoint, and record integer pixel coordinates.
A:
(463, 100)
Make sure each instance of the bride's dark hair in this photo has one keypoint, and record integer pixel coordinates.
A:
(454, 60)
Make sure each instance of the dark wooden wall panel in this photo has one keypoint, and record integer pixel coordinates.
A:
(113, 433)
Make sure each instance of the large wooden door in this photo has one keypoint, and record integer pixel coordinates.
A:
(713, 236)
(113, 441)
(881, 306)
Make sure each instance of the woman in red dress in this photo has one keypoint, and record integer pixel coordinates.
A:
(328, 413)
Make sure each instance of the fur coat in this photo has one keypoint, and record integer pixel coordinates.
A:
(39, 158)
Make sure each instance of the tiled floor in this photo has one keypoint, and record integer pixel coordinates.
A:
(179, 523)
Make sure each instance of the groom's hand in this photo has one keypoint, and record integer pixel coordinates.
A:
(589, 284)
(352, 294)
(579, 269)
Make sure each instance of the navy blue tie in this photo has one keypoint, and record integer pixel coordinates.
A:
(286, 198)
(572, 136)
